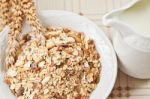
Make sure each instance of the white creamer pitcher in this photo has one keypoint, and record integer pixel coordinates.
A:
(132, 39)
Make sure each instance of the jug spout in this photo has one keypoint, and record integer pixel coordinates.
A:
(110, 19)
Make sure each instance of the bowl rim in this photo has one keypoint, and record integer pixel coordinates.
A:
(109, 90)
(114, 58)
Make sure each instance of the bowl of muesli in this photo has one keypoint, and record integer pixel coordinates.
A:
(74, 60)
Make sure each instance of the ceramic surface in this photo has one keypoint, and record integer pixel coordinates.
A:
(104, 47)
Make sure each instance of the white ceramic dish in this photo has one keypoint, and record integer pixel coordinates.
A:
(104, 47)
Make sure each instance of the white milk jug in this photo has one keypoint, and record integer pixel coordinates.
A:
(132, 41)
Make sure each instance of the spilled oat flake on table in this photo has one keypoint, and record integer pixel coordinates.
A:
(125, 87)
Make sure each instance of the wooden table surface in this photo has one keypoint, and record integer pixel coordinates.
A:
(125, 87)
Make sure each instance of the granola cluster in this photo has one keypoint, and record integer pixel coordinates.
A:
(59, 64)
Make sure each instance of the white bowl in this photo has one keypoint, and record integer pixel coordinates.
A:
(104, 47)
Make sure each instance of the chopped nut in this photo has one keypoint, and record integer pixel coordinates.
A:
(34, 66)
(66, 30)
(37, 86)
(20, 91)
(86, 64)
(45, 80)
(41, 64)
(70, 39)
(50, 43)
(12, 86)
(28, 64)
(75, 52)
(11, 72)
(37, 58)
(46, 91)
(90, 77)
(57, 96)
(48, 60)
(19, 62)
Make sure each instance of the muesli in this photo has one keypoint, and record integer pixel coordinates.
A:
(48, 63)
